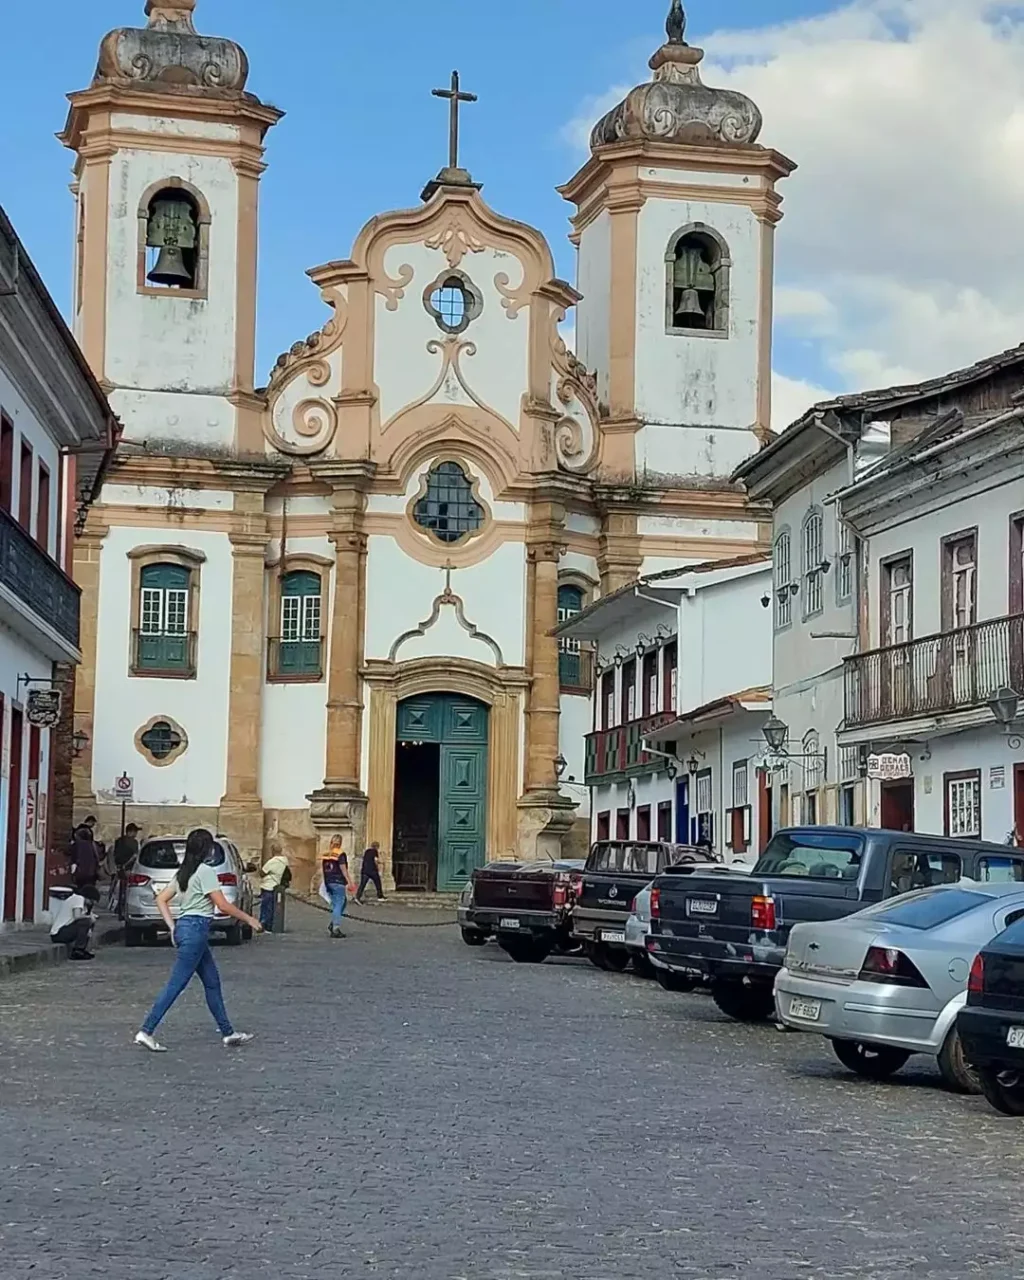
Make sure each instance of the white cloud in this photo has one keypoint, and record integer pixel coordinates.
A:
(901, 254)
(792, 397)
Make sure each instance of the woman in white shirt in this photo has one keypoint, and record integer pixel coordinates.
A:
(199, 889)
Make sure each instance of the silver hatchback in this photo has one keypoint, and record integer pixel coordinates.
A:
(158, 860)
(890, 980)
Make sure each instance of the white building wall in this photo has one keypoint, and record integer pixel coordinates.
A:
(200, 706)
(593, 314)
(698, 395)
(726, 640)
(27, 428)
(987, 750)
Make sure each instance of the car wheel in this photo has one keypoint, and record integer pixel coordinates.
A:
(526, 950)
(247, 933)
(132, 937)
(473, 937)
(745, 1004)
(680, 983)
(233, 936)
(1003, 1089)
(642, 963)
(873, 1061)
(957, 1073)
(616, 959)
(596, 954)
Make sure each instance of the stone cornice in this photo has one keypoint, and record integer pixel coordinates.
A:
(255, 475)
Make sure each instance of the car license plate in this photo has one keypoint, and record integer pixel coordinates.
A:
(808, 1009)
(508, 922)
(611, 935)
(702, 906)
(1015, 1037)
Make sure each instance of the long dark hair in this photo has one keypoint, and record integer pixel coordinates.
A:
(197, 850)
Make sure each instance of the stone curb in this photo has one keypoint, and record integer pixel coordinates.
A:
(49, 953)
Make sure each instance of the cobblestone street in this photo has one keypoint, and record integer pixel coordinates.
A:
(415, 1108)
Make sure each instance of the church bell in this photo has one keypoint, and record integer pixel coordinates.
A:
(689, 304)
(170, 268)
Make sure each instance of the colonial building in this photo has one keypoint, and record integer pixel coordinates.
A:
(56, 434)
(683, 693)
(897, 605)
(329, 603)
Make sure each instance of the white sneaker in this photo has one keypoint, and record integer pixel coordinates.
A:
(148, 1042)
(237, 1039)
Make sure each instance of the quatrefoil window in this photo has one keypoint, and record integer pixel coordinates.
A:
(448, 509)
(453, 301)
(161, 740)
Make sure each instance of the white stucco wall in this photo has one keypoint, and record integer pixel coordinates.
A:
(593, 314)
(496, 373)
(401, 593)
(725, 640)
(167, 343)
(29, 429)
(697, 394)
(200, 706)
(985, 749)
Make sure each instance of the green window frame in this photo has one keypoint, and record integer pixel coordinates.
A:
(163, 639)
(570, 657)
(301, 638)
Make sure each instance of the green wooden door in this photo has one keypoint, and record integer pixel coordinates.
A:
(460, 726)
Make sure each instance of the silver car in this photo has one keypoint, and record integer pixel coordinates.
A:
(158, 860)
(890, 980)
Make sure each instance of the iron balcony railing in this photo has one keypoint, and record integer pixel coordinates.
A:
(295, 659)
(952, 671)
(37, 580)
(172, 655)
(615, 752)
(576, 670)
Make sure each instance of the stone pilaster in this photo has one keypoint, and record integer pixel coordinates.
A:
(241, 809)
(339, 806)
(87, 552)
(619, 557)
(545, 815)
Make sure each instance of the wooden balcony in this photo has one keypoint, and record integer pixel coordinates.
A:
(37, 580)
(576, 670)
(936, 675)
(164, 655)
(616, 753)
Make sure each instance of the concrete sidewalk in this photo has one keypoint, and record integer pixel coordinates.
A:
(24, 949)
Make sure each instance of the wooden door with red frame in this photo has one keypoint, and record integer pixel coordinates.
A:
(13, 849)
(897, 806)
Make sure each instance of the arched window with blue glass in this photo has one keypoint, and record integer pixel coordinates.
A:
(164, 641)
(300, 647)
(570, 651)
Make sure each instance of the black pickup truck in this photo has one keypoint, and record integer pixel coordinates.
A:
(732, 931)
(526, 906)
(603, 892)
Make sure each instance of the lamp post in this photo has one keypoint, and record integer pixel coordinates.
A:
(79, 742)
(561, 764)
(1004, 704)
(775, 734)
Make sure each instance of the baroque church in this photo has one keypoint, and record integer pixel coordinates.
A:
(326, 604)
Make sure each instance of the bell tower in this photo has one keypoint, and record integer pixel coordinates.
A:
(675, 222)
(169, 153)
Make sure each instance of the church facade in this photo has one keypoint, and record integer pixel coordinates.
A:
(327, 604)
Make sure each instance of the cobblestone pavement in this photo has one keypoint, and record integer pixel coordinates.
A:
(415, 1108)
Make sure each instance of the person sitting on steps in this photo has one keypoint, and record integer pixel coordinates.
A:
(73, 922)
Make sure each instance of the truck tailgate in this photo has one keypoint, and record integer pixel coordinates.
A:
(521, 891)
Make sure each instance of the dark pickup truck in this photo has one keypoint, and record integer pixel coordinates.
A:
(615, 872)
(732, 930)
(526, 906)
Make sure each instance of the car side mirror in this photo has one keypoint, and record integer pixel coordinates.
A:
(251, 866)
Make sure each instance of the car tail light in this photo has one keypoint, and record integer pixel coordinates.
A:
(576, 886)
(762, 914)
(976, 981)
(559, 895)
(632, 907)
(227, 877)
(655, 904)
(137, 881)
(887, 964)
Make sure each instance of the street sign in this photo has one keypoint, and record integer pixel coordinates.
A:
(43, 707)
(887, 766)
(124, 789)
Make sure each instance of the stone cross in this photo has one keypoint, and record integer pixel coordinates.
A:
(455, 97)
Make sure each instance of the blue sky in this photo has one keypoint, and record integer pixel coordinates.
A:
(901, 113)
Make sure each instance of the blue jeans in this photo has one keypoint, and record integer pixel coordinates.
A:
(193, 956)
(339, 901)
(267, 903)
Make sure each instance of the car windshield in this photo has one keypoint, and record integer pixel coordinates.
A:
(927, 909)
(166, 855)
(819, 854)
(633, 859)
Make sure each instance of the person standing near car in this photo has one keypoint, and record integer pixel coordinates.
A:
(126, 850)
(85, 858)
(370, 873)
(277, 874)
(200, 896)
(338, 883)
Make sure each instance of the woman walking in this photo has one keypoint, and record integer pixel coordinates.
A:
(200, 894)
(339, 884)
